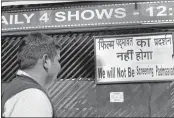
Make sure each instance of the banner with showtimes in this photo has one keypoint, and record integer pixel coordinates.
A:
(134, 58)
(89, 16)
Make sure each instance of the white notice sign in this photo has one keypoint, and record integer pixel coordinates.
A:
(116, 97)
(138, 58)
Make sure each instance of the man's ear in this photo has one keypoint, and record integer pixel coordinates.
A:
(46, 62)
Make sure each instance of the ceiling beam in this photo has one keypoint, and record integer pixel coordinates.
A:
(10, 3)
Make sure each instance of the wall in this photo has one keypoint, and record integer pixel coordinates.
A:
(76, 94)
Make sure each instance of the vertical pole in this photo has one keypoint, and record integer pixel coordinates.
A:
(150, 94)
(173, 44)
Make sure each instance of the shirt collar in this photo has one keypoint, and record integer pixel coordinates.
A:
(21, 72)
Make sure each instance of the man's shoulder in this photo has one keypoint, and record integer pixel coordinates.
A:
(22, 86)
(30, 100)
(32, 93)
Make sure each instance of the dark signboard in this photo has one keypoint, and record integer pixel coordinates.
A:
(89, 16)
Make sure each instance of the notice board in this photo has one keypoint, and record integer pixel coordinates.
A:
(134, 58)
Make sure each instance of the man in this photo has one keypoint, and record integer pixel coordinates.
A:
(26, 95)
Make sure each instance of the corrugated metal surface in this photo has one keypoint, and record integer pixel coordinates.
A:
(162, 100)
(84, 98)
(72, 97)
(136, 100)
(77, 54)
(9, 65)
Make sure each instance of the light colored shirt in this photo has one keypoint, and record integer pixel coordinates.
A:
(28, 103)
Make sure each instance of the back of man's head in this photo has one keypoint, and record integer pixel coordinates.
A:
(33, 47)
